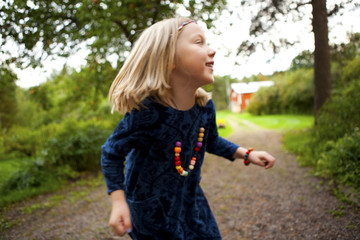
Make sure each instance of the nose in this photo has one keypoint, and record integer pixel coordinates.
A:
(212, 52)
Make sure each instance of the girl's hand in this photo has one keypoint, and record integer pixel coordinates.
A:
(120, 218)
(262, 159)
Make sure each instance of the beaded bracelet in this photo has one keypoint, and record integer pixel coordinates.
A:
(246, 157)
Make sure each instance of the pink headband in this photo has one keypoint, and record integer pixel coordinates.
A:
(185, 23)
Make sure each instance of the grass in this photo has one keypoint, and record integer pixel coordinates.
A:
(296, 141)
(281, 122)
(224, 132)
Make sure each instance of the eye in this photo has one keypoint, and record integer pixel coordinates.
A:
(199, 41)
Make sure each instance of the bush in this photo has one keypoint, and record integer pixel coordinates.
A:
(61, 152)
(292, 93)
(35, 177)
(21, 141)
(341, 160)
(340, 115)
(335, 142)
(76, 144)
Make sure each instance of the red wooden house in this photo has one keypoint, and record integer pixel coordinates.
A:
(241, 94)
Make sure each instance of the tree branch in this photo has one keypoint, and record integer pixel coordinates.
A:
(125, 30)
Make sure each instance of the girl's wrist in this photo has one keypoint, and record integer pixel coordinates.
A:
(243, 153)
(118, 196)
(240, 153)
(246, 157)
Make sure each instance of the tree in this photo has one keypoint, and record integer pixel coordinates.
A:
(303, 60)
(43, 28)
(271, 12)
(7, 97)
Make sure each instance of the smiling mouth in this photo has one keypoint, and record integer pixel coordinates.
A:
(210, 64)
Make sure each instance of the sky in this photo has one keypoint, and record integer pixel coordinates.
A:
(226, 44)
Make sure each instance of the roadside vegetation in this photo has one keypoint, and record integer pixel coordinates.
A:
(332, 146)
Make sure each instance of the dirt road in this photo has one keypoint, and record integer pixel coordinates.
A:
(285, 202)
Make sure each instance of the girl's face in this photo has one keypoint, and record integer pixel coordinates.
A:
(194, 60)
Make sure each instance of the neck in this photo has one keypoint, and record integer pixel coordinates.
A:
(182, 100)
(183, 92)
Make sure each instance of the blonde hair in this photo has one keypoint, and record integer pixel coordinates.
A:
(147, 70)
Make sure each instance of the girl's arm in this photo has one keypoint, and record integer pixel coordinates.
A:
(120, 219)
(259, 158)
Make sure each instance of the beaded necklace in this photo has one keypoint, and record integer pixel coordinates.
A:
(197, 148)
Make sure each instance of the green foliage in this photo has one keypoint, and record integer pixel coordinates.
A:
(297, 142)
(7, 97)
(333, 145)
(341, 160)
(344, 52)
(107, 27)
(59, 150)
(292, 93)
(343, 55)
(29, 112)
(21, 141)
(255, 78)
(340, 115)
(76, 144)
(351, 72)
(79, 93)
(304, 60)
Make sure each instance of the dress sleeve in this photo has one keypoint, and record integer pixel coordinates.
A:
(113, 154)
(216, 144)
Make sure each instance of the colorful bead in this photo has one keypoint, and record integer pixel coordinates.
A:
(246, 156)
(177, 151)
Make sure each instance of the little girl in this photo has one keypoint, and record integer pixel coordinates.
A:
(168, 126)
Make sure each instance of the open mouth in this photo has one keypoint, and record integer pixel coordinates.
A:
(210, 64)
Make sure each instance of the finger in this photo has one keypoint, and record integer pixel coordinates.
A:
(261, 163)
(128, 224)
(270, 163)
(119, 228)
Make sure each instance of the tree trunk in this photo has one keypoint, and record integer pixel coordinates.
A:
(322, 74)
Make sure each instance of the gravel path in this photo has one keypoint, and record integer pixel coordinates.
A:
(284, 202)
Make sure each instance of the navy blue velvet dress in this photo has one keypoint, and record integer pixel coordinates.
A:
(164, 204)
